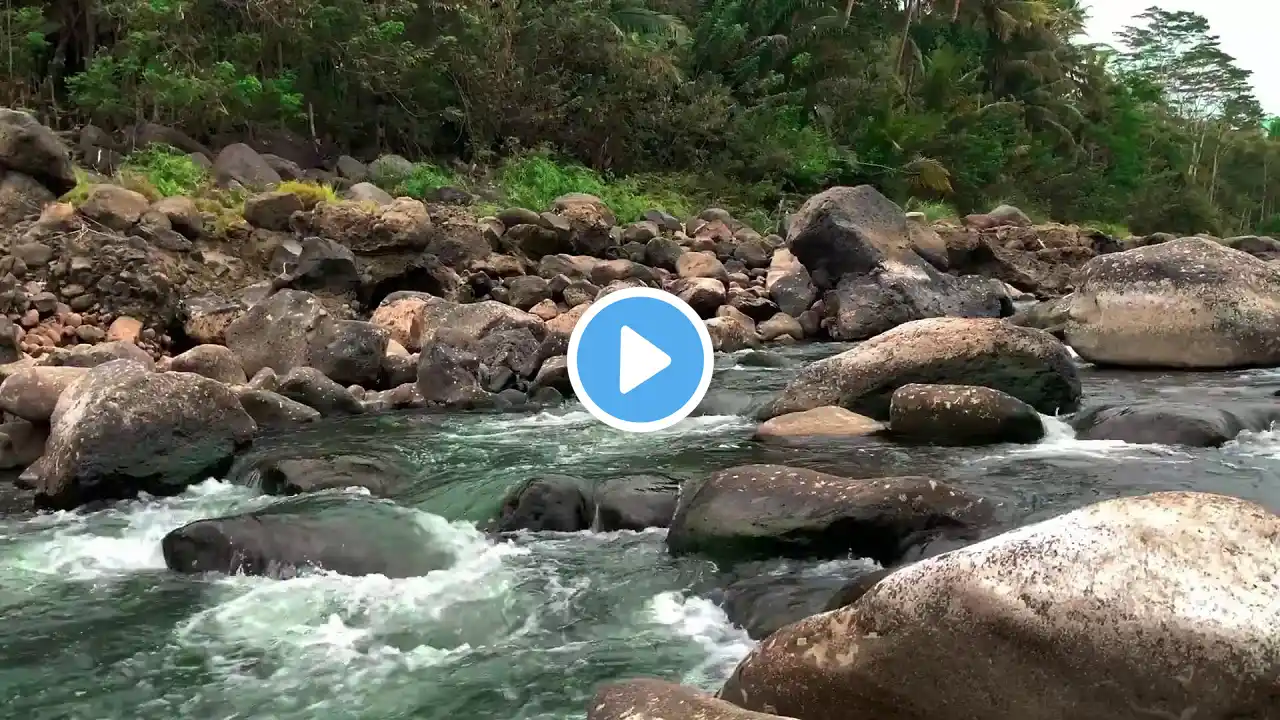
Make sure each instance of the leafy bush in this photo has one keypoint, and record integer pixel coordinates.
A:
(422, 179)
(163, 170)
(534, 181)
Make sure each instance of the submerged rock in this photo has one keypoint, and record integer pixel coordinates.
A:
(755, 510)
(121, 430)
(1188, 303)
(559, 503)
(1098, 613)
(345, 534)
(1172, 423)
(298, 475)
(1031, 365)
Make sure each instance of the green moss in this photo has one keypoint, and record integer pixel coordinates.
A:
(80, 192)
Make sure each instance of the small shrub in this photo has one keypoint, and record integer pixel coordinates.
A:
(310, 193)
(1113, 229)
(166, 171)
(422, 179)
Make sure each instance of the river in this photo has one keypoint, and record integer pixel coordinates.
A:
(95, 627)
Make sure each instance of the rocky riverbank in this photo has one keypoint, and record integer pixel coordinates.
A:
(146, 352)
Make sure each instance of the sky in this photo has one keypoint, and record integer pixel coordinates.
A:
(1246, 29)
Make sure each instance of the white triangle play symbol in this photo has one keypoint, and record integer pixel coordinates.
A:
(638, 360)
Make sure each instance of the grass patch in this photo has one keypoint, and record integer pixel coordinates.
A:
(1115, 230)
(80, 192)
(933, 211)
(422, 179)
(310, 193)
(534, 181)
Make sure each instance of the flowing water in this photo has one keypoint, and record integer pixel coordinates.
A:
(94, 627)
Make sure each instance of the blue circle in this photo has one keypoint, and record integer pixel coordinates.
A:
(599, 359)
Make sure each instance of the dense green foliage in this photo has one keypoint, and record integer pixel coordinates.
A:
(941, 103)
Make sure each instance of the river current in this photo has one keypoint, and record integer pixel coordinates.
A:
(93, 626)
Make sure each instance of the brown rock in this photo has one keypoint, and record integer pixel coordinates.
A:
(31, 394)
(962, 415)
(546, 310)
(114, 207)
(701, 265)
(125, 328)
(819, 423)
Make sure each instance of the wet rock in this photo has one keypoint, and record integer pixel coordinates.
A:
(343, 534)
(297, 475)
(272, 411)
(763, 596)
(1031, 365)
(121, 430)
(1199, 425)
(1044, 618)
(554, 373)
(822, 423)
(854, 589)
(32, 393)
(650, 699)
(635, 502)
(277, 332)
(32, 149)
(1188, 304)
(557, 503)
(753, 510)
(961, 415)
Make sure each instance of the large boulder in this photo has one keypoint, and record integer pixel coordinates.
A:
(277, 332)
(284, 475)
(1162, 605)
(1188, 303)
(348, 535)
(32, 149)
(858, 247)
(32, 393)
(560, 503)
(766, 510)
(1031, 365)
(121, 429)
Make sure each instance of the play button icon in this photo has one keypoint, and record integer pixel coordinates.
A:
(640, 359)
